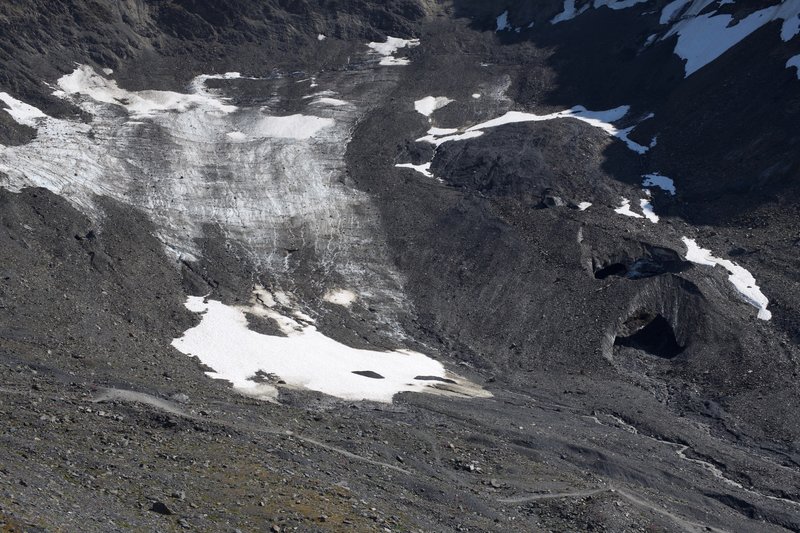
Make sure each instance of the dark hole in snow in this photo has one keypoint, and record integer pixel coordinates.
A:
(368, 374)
(653, 335)
(644, 267)
(614, 269)
(435, 378)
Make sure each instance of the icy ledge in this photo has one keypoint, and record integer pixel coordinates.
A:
(599, 119)
(305, 358)
(743, 280)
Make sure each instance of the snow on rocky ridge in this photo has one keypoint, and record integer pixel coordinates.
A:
(704, 31)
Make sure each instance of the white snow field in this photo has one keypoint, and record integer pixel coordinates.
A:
(21, 112)
(390, 48)
(742, 280)
(625, 209)
(424, 169)
(426, 106)
(305, 358)
(342, 297)
(647, 210)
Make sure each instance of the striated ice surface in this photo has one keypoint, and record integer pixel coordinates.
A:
(271, 182)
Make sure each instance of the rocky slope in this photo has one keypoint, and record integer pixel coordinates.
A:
(454, 265)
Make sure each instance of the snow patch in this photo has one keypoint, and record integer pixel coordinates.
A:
(583, 206)
(704, 38)
(329, 101)
(569, 12)
(390, 47)
(341, 297)
(321, 37)
(794, 61)
(85, 82)
(742, 279)
(236, 136)
(291, 126)
(307, 359)
(502, 22)
(438, 140)
(672, 9)
(424, 169)
(426, 106)
(22, 113)
(598, 119)
(625, 209)
(647, 209)
(662, 182)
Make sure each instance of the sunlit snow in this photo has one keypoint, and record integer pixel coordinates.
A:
(583, 206)
(22, 113)
(625, 209)
(307, 359)
(598, 119)
(426, 106)
(86, 82)
(647, 209)
(424, 169)
(341, 297)
(390, 47)
(742, 279)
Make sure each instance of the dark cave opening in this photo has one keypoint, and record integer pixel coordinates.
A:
(614, 269)
(656, 337)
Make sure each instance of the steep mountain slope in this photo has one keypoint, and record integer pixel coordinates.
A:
(406, 265)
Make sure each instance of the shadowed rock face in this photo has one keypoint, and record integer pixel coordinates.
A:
(528, 258)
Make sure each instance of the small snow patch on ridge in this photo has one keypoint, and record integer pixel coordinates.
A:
(341, 297)
(741, 278)
(390, 47)
(625, 209)
(502, 22)
(647, 209)
(794, 62)
(424, 169)
(22, 113)
(426, 106)
(662, 182)
(598, 119)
